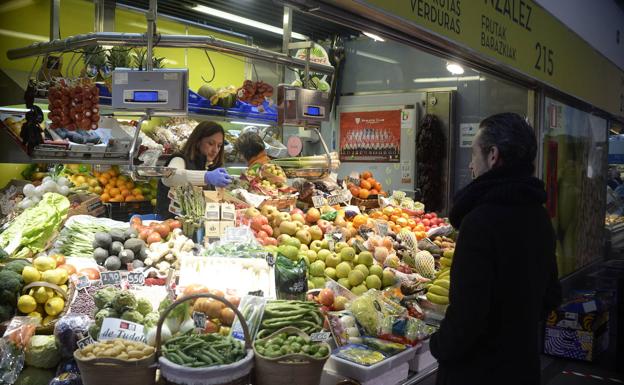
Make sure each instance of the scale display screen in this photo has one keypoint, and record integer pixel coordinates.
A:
(145, 96)
(313, 111)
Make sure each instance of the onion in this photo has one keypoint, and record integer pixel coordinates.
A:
(29, 190)
(26, 204)
(62, 181)
(39, 191)
(63, 190)
(50, 186)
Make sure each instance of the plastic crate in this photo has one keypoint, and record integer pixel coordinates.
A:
(123, 211)
(364, 373)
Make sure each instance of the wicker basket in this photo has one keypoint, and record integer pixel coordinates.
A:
(290, 369)
(366, 203)
(237, 373)
(107, 371)
(67, 296)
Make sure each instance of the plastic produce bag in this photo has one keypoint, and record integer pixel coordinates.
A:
(12, 346)
(290, 279)
(69, 330)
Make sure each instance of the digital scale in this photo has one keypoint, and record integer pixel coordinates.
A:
(298, 106)
(159, 90)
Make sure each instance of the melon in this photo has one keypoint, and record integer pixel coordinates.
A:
(206, 91)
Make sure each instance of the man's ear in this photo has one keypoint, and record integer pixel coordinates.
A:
(493, 157)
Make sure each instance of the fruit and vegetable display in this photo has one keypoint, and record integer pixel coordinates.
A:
(286, 343)
(74, 105)
(203, 350)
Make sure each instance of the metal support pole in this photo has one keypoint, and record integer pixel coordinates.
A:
(151, 31)
(287, 27)
(55, 26)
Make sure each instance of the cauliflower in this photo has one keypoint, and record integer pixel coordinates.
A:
(123, 301)
(132, 316)
(105, 297)
(42, 352)
(144, 306)
(151, 319)
(107, 312)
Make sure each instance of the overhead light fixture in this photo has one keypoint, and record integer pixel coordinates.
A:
(23, 35)
(373, 36)
(454, 68)
(243, 20)
(251, 124)
(376, 57)
(446, 79)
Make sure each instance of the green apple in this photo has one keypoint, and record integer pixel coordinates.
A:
(363, 269)
(304, 247)
(388, 278)
(332, 260)
(325, 244)
(356, 277)
(311, 254)
(319, 282)
(366, 258)
(310, 285)
(359, 289)
(323, 254)
(343, 269)
(339, 246)
(317, 269)
(376, 270)
(347, 253)
(316, 245)
(294, 242)
(344, 282)
(330, 272)
(373, 282)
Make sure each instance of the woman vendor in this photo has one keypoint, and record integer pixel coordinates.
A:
(200, 163)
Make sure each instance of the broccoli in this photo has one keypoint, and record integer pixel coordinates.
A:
(123, 301)
(105, 297)
(107, 312)
(10, 285)
(151, 319)
(17, 265)
(7, 312)
(132, 316)
(144, 306)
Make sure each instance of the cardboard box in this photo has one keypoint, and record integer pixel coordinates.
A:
(212, 229)
(86, 204)
(224, 225)
(228, 212)
(579, 328)
(213, 212)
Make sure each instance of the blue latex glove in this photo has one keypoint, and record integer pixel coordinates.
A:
(218, 177)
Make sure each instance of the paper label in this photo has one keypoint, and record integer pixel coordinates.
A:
(320, 336)
(88, 340)
(270, 258)
(110, 278)
(467, 133)
(382, 228)
(136, 279)
(318, 201)
(199, 319)
(83, 282)
(117, 328)
(590, 306)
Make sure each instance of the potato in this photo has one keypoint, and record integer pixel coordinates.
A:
(122, 356)
(135, 354)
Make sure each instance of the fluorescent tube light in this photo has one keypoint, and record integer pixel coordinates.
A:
(373, 36)
(454, 68)
(446, 79)
(23, 35)
(243, 20)
(251, 124)
(376, 57)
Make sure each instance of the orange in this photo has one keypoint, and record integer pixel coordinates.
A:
(420, 227)
(396, 229)
(388, 210)
(121, 183)
(355, 191)
(125, 193)
(401, 222)
(103, 179)
(397, 211)
(139, 198)
(394, 218)
(364, 193)
(365, 184)
(118, 198)
(385, 217)
(366, 175)
(130, 185)
(359, 220)
(411, 223)
(105, 197)
(114, 192)
(405, 215)
(374, 192)
(130, 198)
(372, 181)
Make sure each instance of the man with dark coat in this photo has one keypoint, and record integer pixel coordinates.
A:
(504, 274)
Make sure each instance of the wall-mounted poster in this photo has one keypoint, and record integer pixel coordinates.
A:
(370, 136)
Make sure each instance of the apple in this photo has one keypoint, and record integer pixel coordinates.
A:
(298, 218)
(283, 238)
(316, 246)
(313, 215)
(339, 246)
(324, 225)
(281, 217)
(268, 210)
(324, 254)
(316, 233)
(304, 236)
(325, 244)
(252, 212)
(296, 211)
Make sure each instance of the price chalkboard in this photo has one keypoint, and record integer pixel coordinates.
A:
(318, 201)
(83, 282)
(355, 181)
(199, 319)
(382, 228)
(136, 279)
(110, 278)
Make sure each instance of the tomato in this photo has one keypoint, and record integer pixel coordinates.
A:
(91, 273)
(434, 215)
(427, 216)
(426, 222)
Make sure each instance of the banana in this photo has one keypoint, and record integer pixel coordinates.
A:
(437, 299)
(439, 290)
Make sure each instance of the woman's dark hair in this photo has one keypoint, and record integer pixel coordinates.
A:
(191, 147)
(249, 144)
(512, 135)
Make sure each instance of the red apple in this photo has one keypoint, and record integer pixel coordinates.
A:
(296, 211)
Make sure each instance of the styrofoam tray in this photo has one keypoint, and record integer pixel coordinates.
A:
(364, 373)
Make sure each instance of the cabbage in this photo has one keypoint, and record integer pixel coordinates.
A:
(144, 306)
(42, 352)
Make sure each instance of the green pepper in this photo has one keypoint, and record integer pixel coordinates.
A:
(330, 216)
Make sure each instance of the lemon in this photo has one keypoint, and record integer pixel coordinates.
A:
(64, 287)
(48, 319)
(30, 274)
(40, 295)
(37, 316)
(54, 276)
(44, 263)
(26, 304)
(54, 306)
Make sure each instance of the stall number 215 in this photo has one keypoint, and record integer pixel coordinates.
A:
(544, 60)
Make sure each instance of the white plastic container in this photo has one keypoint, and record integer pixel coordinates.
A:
(422, 359)
(363, 373)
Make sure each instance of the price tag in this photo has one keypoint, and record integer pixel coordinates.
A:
(270, 258)
(318, 201)
(355, 181)
(382, 228)
(320, 336)
(136, 279)
(83, 282)
(257, 293)
(341, 196)
(199, 319)
(83, 343)
(110, 278)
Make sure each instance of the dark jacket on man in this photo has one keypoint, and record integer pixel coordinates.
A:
(503, 282)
